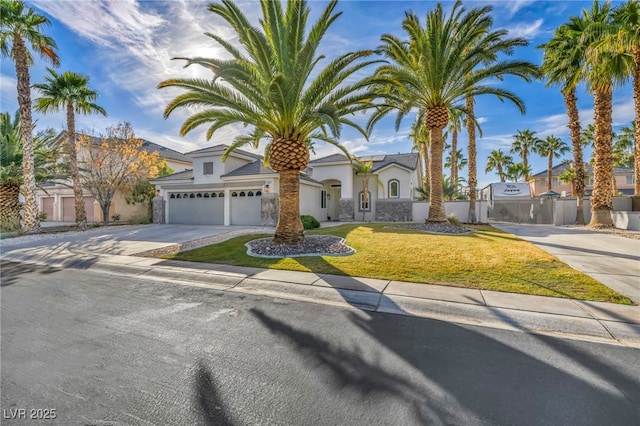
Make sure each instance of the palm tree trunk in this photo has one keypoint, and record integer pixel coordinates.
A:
(10, 205)
(427, 163)
(437, 212)
(525, 162)
(601, 203)
(636, 98)
(571, 103)
(289, 229)
(500, 172)
(81, 214)
(454, 159)
(471, 165)
(365, 195)
(549, 169)
(30, 219)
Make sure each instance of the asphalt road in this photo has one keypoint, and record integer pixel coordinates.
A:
(103, 350)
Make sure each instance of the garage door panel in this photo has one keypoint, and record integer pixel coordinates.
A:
(196, 211)
(47, 207)
(245, 210)
(69, 209)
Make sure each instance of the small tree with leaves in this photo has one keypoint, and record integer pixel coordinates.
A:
(143, 191)
(115, 162)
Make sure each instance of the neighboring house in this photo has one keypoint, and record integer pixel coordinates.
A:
(538, 182)
(57, 200)
(241, 191)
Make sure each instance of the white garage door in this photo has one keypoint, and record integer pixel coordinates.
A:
(196, 208)
(246, 207)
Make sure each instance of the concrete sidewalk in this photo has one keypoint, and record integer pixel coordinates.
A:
(604, 322)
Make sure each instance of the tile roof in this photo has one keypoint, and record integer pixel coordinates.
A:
(409, 160)
(219, 149)
(588, 169)
(163, 151)
(185, 175)
(257, 168)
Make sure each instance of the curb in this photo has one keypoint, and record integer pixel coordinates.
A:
(586, 323)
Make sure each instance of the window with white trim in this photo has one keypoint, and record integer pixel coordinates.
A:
(207, 168)
(323, 199)
(629, 179)
(364, 204)
(394, 188)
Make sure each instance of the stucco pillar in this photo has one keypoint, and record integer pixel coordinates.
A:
(269, 209)
(227, 207)
(57, 208)
(346, 210)
(158, 209)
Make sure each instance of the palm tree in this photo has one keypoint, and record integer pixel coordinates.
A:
(516, 172)
(498, 161)
(551, 147)
(459, 158)
(46, 166)
(438, 67)
(624, 147)
(563, 60)
(10, 170)
(21, 25)
(70, 91)
(627, 36)
(603, 70)
(523, 143)
(268, 86)
(455, 126)
(420, 136)
(364, 169)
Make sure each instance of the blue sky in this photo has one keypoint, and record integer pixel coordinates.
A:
(126, 46)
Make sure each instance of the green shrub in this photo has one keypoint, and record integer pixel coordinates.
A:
(139, 219)
(453, 220)
(309, 222)
(10, 225)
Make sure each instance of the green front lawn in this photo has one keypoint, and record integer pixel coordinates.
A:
(487, 259)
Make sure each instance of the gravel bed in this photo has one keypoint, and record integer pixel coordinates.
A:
(434, 228)
(635, 235)
(313, 245)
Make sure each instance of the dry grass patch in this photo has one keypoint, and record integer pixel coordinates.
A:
(487, 259)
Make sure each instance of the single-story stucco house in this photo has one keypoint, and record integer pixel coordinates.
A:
(241, 191)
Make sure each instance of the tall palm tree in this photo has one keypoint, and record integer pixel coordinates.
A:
(603, 70)
(440, 65)
(458, 157)
(498, 161)
(551, 147)
(563, 60)
(626, 36)
(419, 134)
(70, 91)
(523, 143)
(22, 26)
(274, 86)
(455, 127)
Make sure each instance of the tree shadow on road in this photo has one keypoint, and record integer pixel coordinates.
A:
(11, 271)
(208, 401)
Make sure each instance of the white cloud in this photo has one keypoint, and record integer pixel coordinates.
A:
(526, 30)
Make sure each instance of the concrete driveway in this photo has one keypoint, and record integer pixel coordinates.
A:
(126, 240)
(610, 259)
